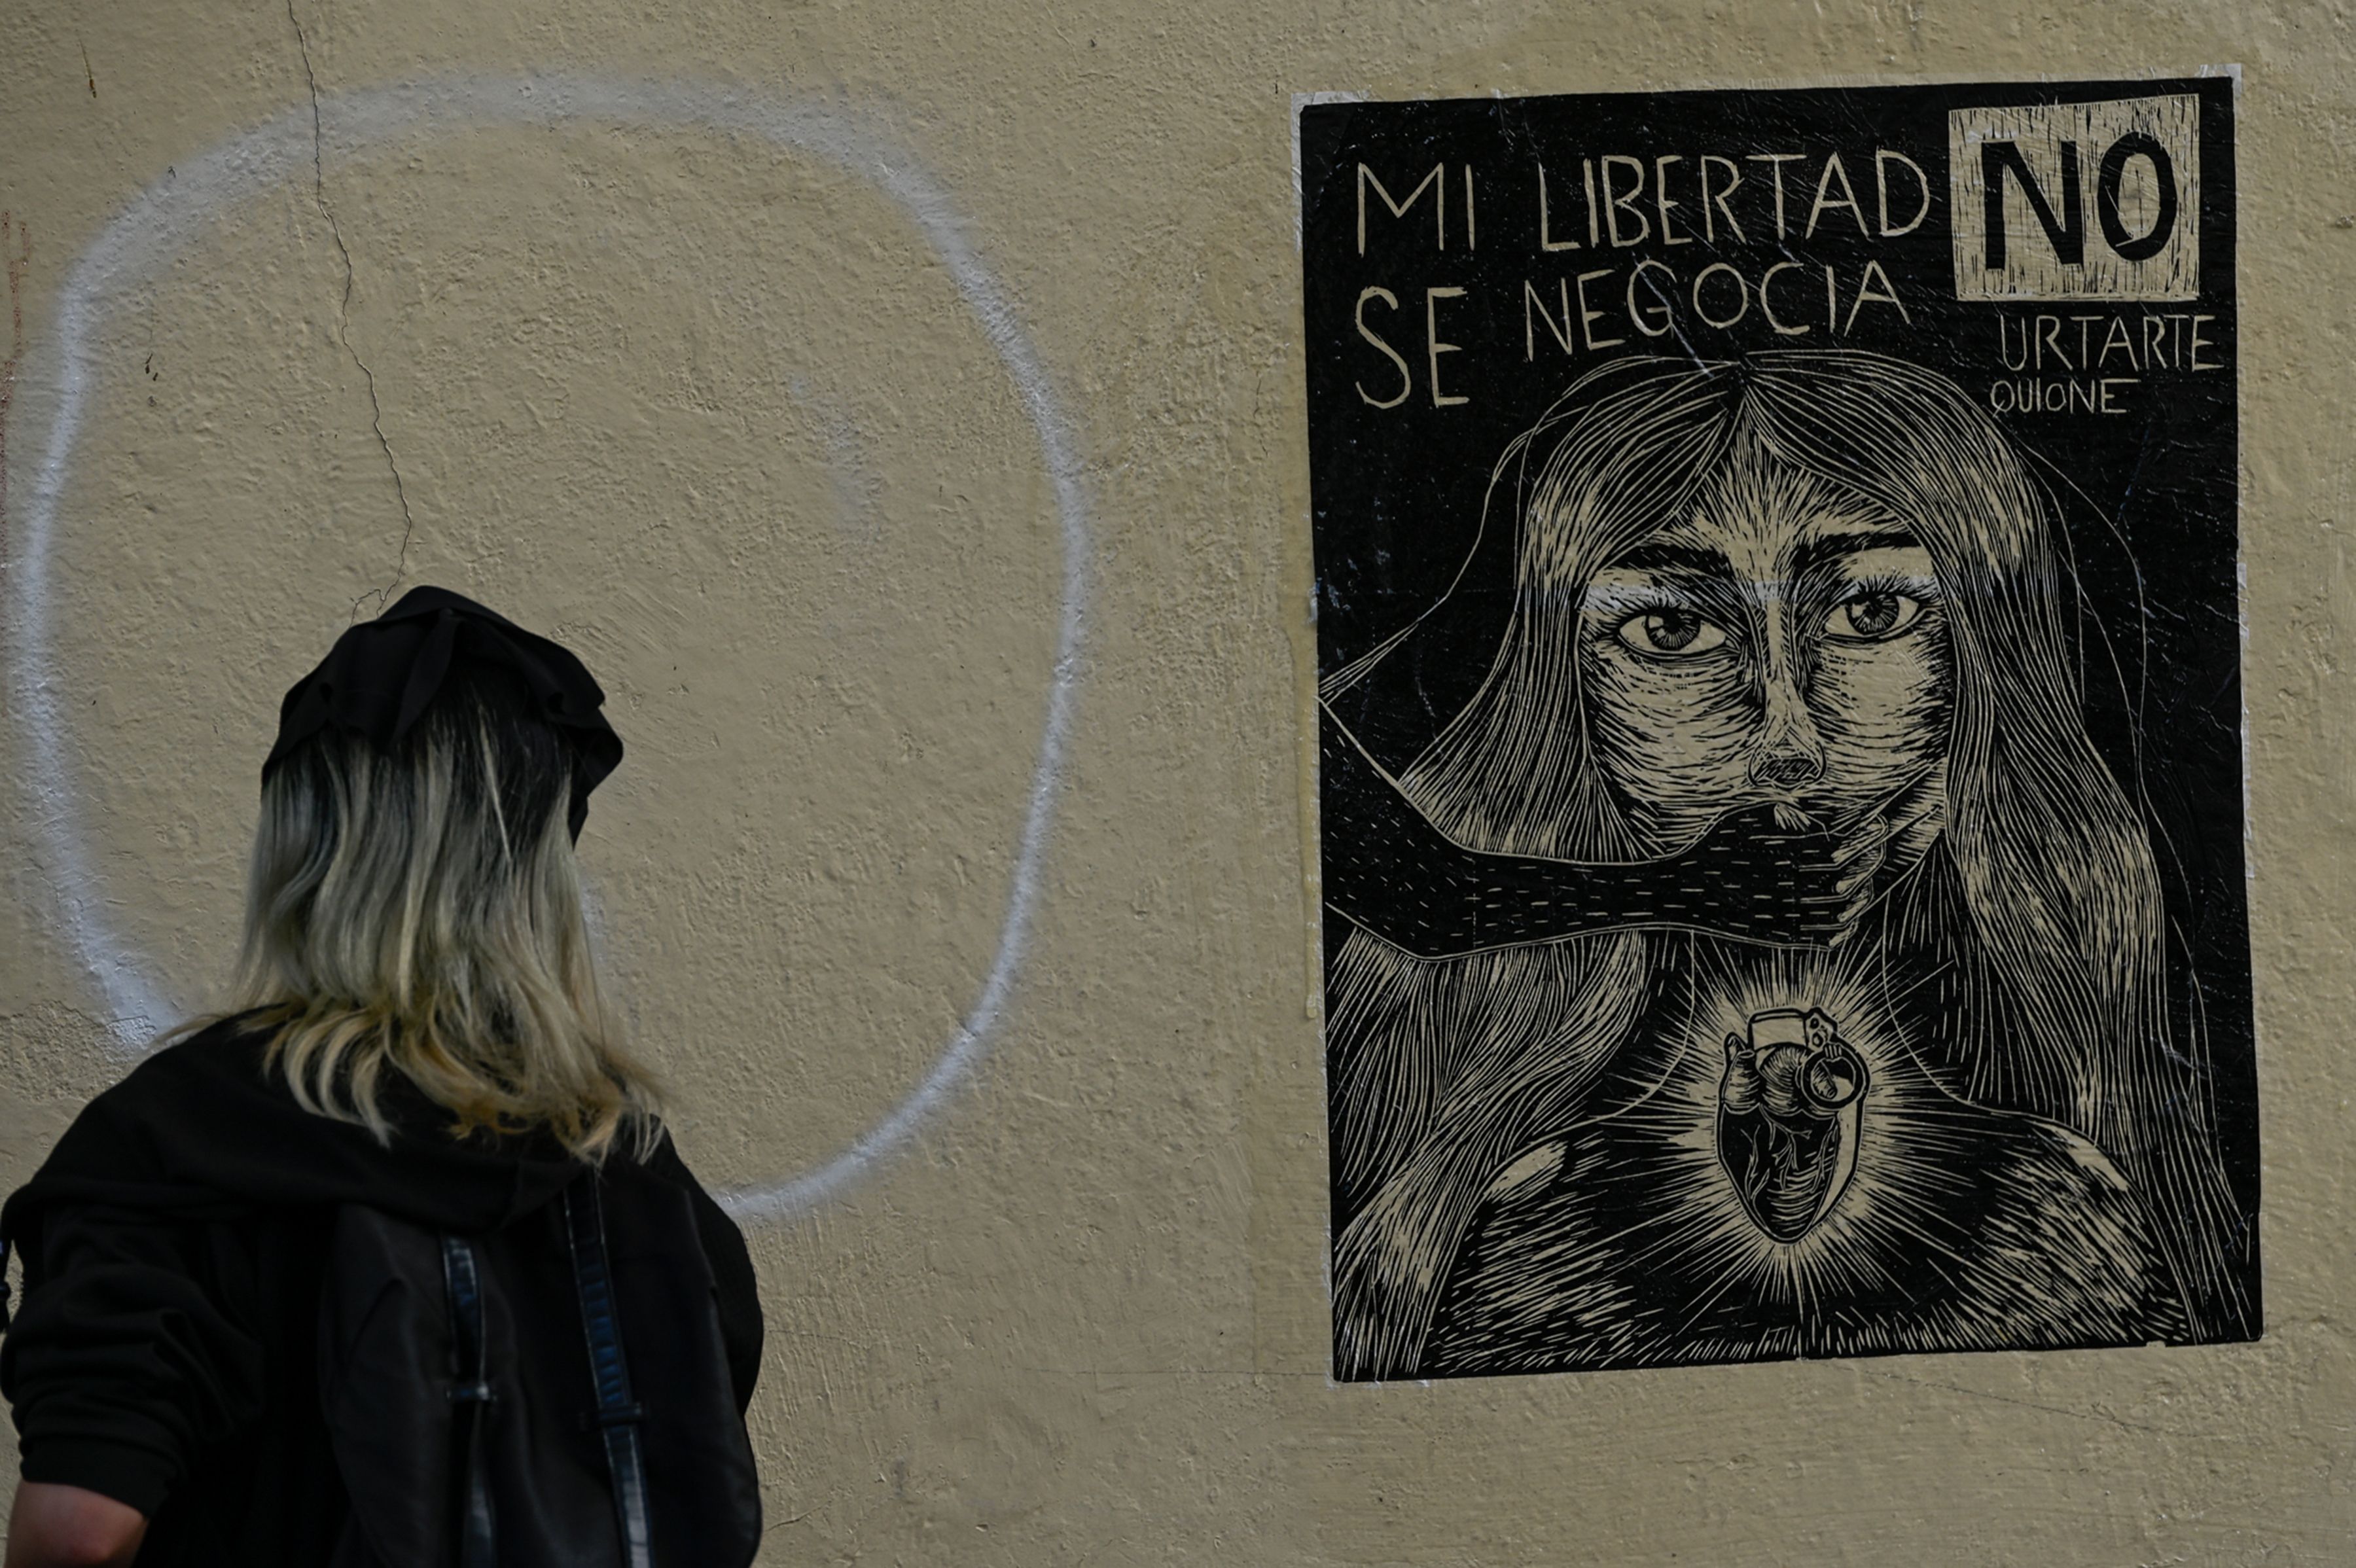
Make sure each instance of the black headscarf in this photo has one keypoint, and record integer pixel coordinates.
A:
(384, 675)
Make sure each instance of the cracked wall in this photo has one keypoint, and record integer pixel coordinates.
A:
(716, 414)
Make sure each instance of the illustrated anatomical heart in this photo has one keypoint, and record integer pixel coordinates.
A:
(1787, 1118)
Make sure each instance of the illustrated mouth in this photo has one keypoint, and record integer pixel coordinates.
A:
(1787, 1118)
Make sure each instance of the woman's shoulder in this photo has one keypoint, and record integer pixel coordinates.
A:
(123, 1148)
(661, 1169)
(215, 1073)
(663, 1182)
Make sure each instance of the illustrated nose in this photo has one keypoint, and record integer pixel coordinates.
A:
(1790, 752)
(1786, 770)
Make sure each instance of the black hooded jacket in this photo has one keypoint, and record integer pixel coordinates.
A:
(173, 1247)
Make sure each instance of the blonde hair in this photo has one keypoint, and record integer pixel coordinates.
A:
(421, 910)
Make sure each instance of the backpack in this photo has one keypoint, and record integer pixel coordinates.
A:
(479, 1397)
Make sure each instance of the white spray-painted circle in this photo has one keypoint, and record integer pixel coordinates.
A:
(166, 217)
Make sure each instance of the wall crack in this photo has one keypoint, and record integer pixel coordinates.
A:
(344, 322)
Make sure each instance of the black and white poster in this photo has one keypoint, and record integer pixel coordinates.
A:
(1782, 789)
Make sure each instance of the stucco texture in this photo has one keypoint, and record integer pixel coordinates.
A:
(720, 411)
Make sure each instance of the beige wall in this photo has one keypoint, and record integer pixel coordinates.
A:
(714, 410)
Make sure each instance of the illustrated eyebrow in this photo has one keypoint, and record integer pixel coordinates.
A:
(1677, 558)
(1830, 547)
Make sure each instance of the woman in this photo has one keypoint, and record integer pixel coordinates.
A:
(1820, 585)
(419, 1034)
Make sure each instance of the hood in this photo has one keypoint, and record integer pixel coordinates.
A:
(200, 1130)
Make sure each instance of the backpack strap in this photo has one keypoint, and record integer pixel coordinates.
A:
(470, 1393)
(617, 1416)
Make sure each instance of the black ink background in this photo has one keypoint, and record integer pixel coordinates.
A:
(2148, 498)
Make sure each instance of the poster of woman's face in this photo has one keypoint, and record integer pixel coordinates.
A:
(1781, 807)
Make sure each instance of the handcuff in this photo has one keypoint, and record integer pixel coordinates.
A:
(1836, 1075)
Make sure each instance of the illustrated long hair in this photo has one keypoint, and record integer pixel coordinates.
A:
(419, 911)
(1444, 1069)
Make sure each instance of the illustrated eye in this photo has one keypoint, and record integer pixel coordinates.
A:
(1872, 617)
(1669, 631)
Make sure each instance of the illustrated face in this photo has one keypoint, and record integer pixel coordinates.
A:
(1785, 643)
